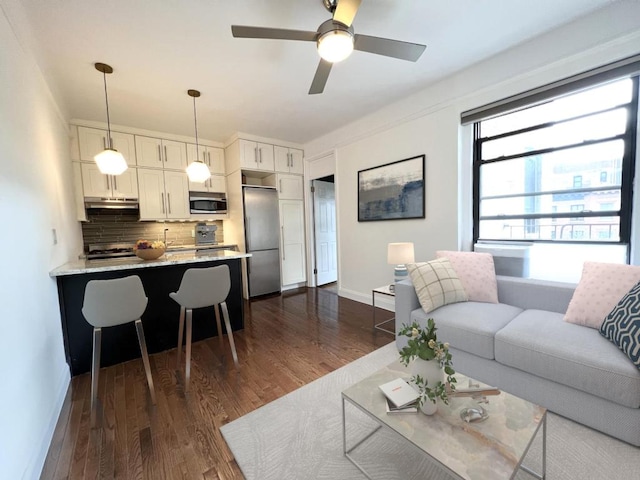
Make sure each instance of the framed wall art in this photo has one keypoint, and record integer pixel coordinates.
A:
(393, 191)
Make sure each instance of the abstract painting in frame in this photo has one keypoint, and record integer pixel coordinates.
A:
(393, 191)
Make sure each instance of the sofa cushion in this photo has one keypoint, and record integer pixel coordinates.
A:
(436, 283)
(622, 325)
(476, 272)
(541, 343)
(601, 287)
(469, 326)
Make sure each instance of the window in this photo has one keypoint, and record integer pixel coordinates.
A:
(560, 170)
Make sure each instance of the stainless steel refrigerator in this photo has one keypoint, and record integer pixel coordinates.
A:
(262, 236)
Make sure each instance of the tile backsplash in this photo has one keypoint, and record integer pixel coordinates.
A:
(123, 226)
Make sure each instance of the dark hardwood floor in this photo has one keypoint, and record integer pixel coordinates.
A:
(288, 341)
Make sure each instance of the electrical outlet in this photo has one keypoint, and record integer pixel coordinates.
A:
(193, 233)
(55, 236)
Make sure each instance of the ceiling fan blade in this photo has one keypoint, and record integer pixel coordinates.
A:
(388, 47)
(320, 78)
(242, 31)
(346, 10)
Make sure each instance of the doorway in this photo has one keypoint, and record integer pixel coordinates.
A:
(324, 230)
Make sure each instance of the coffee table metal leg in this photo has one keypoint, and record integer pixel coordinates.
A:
(543, 475)
(347, 451)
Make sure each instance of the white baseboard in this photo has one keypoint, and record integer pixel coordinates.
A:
(382, 301)
(34, 469)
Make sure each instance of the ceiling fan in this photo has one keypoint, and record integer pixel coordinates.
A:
(335, 40)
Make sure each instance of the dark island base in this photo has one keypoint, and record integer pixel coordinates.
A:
(160, 319)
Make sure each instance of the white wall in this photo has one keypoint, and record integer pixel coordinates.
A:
(429, 122)
(36, 196)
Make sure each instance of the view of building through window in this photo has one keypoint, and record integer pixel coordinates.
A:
(554, 172)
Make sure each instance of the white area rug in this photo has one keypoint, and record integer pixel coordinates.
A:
(299, 436)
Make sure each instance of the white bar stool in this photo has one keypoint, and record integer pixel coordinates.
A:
(199, 288)
(108, 303)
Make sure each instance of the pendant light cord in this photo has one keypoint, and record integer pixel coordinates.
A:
(106, 98)
(195, 121)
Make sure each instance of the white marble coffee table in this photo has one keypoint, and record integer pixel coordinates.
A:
(489, 450)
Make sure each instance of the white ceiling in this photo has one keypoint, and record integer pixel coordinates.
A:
(159, 49)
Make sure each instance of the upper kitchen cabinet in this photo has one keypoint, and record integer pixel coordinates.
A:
(97, 184)
(249, 155)
(213, 157)
(290, 187)
(163, 195)
(215, 183)
(92, 141)
(288, 160)
(161, 153)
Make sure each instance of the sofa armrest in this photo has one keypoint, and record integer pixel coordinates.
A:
(406, 302)
(528, 293)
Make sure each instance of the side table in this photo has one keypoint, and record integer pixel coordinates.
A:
(384, 290)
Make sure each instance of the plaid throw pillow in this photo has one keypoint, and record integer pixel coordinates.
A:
(436, 284)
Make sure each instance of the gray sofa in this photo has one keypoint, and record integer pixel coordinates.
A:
(523, 346)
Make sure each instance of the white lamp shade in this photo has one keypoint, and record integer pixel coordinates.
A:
(111, 162)
(198, 172)
(335, 46)
(400, 253)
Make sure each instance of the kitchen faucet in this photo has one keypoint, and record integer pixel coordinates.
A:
(165, 237)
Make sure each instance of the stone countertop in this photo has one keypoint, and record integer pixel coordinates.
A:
(130, 263)
(218, 246)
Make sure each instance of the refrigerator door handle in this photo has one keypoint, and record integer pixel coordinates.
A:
(248, 266)
(246, 231)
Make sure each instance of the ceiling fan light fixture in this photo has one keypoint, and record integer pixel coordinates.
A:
(335, 45)
(109, 161)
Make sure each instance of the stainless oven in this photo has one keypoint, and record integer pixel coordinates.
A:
(208, 203)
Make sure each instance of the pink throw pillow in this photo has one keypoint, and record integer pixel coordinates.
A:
(477, 273)
(601, 287)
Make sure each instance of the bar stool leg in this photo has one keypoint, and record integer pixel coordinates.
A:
(215, 309)
(180, 332)
(95, 372)
(225, 314)
(187, 375)
(145, 359)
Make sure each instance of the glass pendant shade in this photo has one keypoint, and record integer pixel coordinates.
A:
(335, 46)
(111, 162)
(198, 172)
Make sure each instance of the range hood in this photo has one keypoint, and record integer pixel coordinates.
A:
(96, 203)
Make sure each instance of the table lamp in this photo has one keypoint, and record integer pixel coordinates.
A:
(399, 254)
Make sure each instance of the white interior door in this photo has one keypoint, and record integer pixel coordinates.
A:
(324, 209)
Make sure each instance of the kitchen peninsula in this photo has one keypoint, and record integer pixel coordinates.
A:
(160, 319)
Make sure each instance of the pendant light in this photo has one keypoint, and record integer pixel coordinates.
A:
(197, 171)
(109, 161)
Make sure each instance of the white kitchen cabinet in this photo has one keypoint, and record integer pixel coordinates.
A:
(256, 156)
(96, 184)
(215, 183)
(213, 157)
(292, 242)
(92, 141)
(163, 194)
(290, 187)
(161, 153)
(288, 160)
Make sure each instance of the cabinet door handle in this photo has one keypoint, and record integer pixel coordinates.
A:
(162, 201)
(280, 189)
(209, 155)
(289, 160)
(169, 201)
(282, 239)
(104, 143)
(260, 152)
(115, 183)
(204, 157)
(255, 154)
(159, 154)
(107, 179)
(110, 142)
(166, 159)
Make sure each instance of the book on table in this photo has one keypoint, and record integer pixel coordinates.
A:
(399, 392)
(410, 408)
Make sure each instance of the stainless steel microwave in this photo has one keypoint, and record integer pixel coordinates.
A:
(208, 203)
